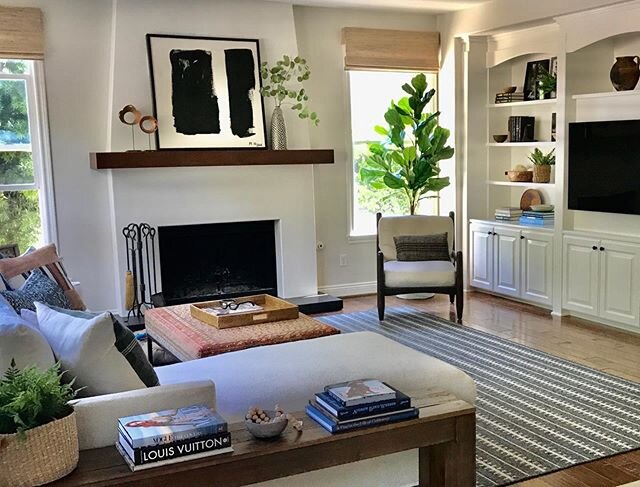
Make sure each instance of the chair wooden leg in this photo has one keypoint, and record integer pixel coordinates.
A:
(381, 306)
(452, 297)
(459, 303)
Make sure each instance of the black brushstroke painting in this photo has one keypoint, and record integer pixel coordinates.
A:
(195, 104)
(241, 81)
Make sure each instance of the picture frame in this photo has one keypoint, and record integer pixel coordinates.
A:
(206, 92)
(533, 68)
(9, 251)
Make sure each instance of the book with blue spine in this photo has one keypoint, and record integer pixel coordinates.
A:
(171, 425)
(361, 391)
(327, 402)
(536, 221)
(334, 426)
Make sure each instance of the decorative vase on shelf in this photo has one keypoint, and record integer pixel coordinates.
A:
(541, 174)
(625, 73)
(278, 130)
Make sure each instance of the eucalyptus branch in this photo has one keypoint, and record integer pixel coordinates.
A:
(278, 81)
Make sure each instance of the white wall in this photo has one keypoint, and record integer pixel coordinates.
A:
(215, 194)
(319, 40)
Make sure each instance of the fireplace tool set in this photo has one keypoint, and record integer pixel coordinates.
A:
(140, 278)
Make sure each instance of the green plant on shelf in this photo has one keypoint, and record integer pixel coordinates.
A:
(546, 83)
(279, 85)
(539, 158)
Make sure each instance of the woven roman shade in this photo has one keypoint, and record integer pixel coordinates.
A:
(21, 33)
(396, 50)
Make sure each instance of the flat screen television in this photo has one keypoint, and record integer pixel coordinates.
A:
(604, 166)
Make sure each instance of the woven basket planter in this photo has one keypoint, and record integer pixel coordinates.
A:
(49, 452)
(541, 174)
(519, 176)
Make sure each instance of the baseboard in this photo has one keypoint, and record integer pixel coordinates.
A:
(350, 289)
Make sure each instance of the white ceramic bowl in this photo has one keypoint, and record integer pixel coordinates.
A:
(542, 207)
(267, 430)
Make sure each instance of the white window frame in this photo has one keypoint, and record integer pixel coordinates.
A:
(39, 148)
(351, 236)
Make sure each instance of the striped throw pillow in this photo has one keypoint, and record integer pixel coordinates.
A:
(412, 248)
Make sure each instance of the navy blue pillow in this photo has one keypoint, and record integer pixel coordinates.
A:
(37, 287)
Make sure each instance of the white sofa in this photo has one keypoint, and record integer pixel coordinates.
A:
(288, 374)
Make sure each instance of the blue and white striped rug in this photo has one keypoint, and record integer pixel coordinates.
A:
(536, 413)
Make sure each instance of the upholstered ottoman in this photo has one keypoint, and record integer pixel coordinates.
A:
(175, 330)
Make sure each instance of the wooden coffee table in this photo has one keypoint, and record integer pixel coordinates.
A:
(444, 434)
(185, 337)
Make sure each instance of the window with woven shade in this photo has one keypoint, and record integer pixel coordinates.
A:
(391, 50)
(26, 191)
(378, 62)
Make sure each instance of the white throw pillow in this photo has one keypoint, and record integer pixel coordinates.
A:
(86, 349)
(21, 342)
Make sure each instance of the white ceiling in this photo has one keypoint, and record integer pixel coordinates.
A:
(428, 6)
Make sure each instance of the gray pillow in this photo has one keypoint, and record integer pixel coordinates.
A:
(412, 248)
(37, 287)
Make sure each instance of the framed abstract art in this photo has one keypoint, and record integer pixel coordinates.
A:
(206, 92)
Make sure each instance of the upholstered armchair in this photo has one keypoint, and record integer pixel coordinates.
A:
(416, 276)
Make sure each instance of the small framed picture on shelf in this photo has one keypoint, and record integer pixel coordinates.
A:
(9, 251)
(534, 68)
(206, 92)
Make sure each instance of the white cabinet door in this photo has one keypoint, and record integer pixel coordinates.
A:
(619, 290)
(537, 266)
(506, 244)
(481, 256)
(581, 274)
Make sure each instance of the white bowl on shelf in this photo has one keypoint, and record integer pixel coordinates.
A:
(542, 207)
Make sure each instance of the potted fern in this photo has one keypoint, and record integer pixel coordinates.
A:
(542, 165)
(38, 434)
(408, 159)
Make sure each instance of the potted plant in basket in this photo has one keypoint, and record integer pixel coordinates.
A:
(38, 435)
(542, 165)
(279, 83)
(408, 159)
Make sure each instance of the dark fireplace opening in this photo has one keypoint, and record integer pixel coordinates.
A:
(217, 260)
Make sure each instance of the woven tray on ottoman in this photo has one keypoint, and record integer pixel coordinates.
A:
(187, 338)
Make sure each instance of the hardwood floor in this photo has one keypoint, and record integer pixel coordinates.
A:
(596, 346)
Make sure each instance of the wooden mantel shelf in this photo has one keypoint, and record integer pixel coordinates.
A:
(204, 157)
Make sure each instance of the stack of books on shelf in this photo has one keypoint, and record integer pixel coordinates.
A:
(509, 97)
(177, 435)
(359, 404)
(508, 214)
(539, 218)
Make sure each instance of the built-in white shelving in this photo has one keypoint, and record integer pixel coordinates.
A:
(606, 94)
(541, 143)
(521, 184)
(520, 104)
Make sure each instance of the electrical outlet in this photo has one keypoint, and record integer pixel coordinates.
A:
(343, 260)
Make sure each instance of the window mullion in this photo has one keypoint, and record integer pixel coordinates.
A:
(17, 187)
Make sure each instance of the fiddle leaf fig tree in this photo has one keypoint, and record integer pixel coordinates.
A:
(408, 159)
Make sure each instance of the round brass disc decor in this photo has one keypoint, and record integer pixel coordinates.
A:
(148, 124)
(129, 109)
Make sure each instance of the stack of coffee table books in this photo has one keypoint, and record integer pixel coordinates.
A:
(176, 435)
(359, 404)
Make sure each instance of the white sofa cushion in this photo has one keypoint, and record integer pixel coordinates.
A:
(290, 374)
(419, 273)
(97, 417)
(21, 341)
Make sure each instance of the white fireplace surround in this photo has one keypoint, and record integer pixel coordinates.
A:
(163, 197)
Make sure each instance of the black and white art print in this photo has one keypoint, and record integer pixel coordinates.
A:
(206, 92)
